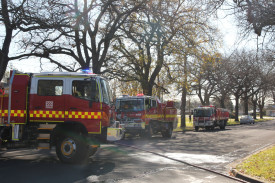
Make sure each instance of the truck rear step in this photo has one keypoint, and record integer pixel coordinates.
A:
(44, 133)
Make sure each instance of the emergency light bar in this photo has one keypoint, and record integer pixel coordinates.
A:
(87, 71)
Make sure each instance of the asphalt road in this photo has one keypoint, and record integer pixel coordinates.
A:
(215, 150)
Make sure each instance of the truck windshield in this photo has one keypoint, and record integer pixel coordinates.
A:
(203, 112)
(130, 105)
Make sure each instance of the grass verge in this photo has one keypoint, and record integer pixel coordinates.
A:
(260, 165)
(189, 125)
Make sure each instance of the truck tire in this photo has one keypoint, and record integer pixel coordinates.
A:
(148, 132)
(72, 148)
(208, 128)
(212, 127)
(168, 132)
(196, 128)
(222, 125)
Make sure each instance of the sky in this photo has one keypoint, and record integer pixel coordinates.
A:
(232, 38)
(226, 25)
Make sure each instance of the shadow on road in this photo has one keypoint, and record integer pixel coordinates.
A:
(201, 142)
(40, 168)
(216, 130)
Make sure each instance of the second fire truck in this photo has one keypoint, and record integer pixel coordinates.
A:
(209, 117)
(146, 115)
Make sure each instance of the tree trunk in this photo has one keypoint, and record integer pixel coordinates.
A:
(3, 65)
(183, 107)
(4, 53)
(261, 112)
(245, 103)
(147, 88)
(184, 94)
(158, 88)
(261, 107)
(237, 107)
(254, 109)
(200, 97)
(4, 59)
(222, 101)
(207, 100)
(202, 101)
(95, 67)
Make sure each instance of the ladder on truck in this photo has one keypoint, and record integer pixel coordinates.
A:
(44, 134)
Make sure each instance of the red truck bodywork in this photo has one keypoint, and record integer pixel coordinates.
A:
(38, 108)
(209, 117)
(145, 115)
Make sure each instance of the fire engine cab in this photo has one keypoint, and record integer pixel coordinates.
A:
(146, 115)
(71, 111)
(209, 117)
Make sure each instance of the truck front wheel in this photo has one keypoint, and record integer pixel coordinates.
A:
(72, 149)
(196, 128)
(168, 132)
(148, 132)
(222, 125)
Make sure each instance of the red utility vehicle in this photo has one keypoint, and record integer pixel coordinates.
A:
(209, 117)
(146, 115)
(71, 111)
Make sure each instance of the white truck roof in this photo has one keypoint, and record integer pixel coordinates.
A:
(63, 74)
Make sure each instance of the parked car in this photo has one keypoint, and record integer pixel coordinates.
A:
(246, 119)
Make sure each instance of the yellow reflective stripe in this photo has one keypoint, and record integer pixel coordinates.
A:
(22, 75)
(3, 113)
(14, 113)
(66, 114)
(84, 115)
(46, 114)
(153, 116)
(171, 115)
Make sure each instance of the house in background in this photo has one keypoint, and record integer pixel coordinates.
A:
(270, 110)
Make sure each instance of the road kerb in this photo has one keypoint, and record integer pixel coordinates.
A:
(242, 176)
(246, 177)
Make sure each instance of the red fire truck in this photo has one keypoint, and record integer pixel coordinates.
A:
(71, 111)
(146, 115)
(209, 117)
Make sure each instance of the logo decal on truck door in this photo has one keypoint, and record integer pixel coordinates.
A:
(49, 105)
